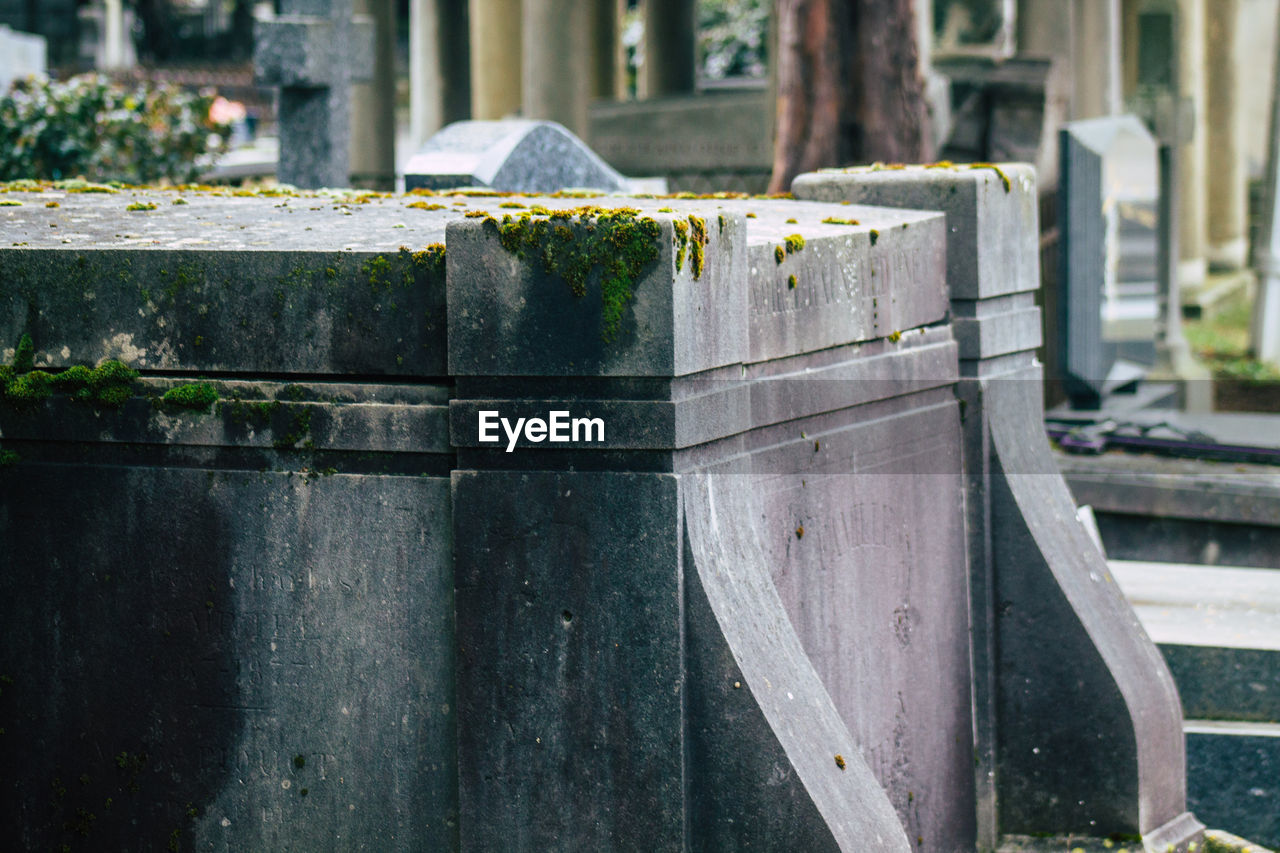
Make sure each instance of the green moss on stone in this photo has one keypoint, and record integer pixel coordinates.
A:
(619, 242)
(24, 355)
(195, 396)
(22, 386)
(108, 385)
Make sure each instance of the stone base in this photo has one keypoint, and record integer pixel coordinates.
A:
(1216, 291)
(1183, 834)
(1192, 272)
(1230, 256)
(1217, 841)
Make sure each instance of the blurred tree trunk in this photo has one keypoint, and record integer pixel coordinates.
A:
(158, 42)
(849, 86)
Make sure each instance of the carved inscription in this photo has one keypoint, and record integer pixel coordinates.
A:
(858, 282)
(814, 288)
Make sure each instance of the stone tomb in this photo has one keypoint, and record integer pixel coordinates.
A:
(327, 613)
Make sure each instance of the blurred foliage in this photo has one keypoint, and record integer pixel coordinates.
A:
(90, 127)
(733, 37)
(1222, 342)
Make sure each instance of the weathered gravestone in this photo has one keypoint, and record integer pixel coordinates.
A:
(722, 602)
(314, 51)
(510, 155)
(1107, 291)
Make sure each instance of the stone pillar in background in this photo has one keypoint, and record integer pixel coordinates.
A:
(603, 37)
(313, 52)
(496, 63)
(373, 104)
(1227, 178)
(439, 66)
(1096, 69)
(621, 61)
(1044, 28)
(113, 54)
(556, 62)
(669, 35)
(1192, 215)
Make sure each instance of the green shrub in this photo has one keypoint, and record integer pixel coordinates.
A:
(87, 126)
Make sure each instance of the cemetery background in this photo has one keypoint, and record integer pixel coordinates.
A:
(1121, 515)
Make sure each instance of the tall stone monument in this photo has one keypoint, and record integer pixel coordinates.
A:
(314, 51)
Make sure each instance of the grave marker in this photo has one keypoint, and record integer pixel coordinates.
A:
(314, 51)
(1107, 293)
(510, 155)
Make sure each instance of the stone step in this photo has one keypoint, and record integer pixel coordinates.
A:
(1233, 777)
(1219, 630)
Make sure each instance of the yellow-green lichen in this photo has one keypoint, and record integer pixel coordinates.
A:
(835, 220)
(142, 205)
(780, 253)
(431, 259)
(681, 232)
(875, 235)
(791, 281)
(619, 242)
(697, 243)
(1004, 179)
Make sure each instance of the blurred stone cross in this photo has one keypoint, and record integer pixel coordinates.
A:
(1171, 116)
(314, 51)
